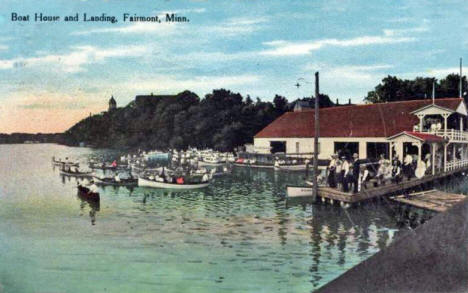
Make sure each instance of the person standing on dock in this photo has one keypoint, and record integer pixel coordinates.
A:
(408, 166)
(356, 171)
(345, 174)
(396, 169)
(332, 172)
(339, 176)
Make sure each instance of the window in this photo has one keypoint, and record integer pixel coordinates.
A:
(346, 148)
(375, 149)
(297, 148)
(277, 147)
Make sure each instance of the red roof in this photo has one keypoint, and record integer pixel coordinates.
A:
(371, 120)
(421, 136)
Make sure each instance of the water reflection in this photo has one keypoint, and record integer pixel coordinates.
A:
(94, 206)
(240, 225)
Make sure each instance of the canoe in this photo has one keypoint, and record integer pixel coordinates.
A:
(76, 174)
(111, 181)
(143, 182)
(85, 193)
(299, 191)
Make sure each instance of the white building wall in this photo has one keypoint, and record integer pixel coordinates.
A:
(306, 145)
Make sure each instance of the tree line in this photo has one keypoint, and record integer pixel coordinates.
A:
(221, 120)
(392, 89)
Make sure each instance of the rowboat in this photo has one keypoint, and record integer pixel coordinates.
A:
(85, 193)
(144, 182)
(62, 163)
(76, 174)
(96, 166)
(299, 191)
(112, 181)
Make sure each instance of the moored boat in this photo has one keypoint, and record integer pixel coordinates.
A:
(299, 191)
(146, 182)
(300, 167)
(76, 173)
(66, 163)
(85, 193)
(112, 181)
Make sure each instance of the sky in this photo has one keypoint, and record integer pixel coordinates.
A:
(52, 74)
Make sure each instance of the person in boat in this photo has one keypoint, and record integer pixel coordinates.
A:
(93, 187)
(206, 177)
(117, 178)
(345, 173)
(332, 171)
(355, 172)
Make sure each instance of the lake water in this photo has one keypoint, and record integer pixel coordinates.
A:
(235, 236)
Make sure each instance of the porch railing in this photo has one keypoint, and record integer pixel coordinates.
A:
(451, 134)
(452, 165)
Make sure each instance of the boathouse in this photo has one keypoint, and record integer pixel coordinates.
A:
(417, 127)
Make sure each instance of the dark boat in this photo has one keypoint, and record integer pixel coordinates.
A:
(86, 194)
(64, 163)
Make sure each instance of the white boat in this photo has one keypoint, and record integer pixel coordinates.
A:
(112, 181)
(143, 182)
(211, 161)
(154, 155)
(290, 167)
(299, 191)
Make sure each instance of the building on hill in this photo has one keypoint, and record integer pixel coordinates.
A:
(150, 100)
(416, 127)
(301, 106)
(112, 104)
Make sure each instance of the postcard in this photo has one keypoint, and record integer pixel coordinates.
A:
(233, 146)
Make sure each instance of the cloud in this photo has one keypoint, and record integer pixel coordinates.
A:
(350, 73)
(163, 28)
(175, 84)
(349, 81)
(238, 26)
(286, 48)
(404, 31)
(76, 59)
(443, 72)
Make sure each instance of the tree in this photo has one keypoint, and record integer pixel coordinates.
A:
(392, 88)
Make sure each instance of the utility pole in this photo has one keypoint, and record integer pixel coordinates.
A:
(316, 135)
(461, 79)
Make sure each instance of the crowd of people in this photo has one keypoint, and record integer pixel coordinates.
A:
(350, 174)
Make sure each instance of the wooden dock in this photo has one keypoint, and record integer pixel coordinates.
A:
(432, 200)
(335, 195)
